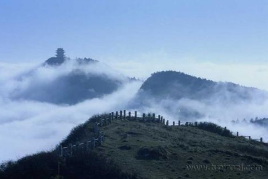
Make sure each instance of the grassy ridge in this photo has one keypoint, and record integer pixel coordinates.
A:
(135, 149)
(155, 151)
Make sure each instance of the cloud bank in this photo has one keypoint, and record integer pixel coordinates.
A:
(28, 126)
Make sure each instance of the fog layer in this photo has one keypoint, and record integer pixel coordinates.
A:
(28, 126)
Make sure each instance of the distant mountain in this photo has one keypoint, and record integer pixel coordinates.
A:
(177, 85)
(60, 80)
(262, 122)
(189, 98)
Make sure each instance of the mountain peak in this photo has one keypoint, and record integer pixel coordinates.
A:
(58, 59)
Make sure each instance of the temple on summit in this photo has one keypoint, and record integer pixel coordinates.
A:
(58, 59)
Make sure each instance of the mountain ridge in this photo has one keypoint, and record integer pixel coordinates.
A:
(160, 84)
(139, 149)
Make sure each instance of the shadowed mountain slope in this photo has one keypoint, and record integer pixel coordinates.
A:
(177, 85)
(190, 98)
(61, 80)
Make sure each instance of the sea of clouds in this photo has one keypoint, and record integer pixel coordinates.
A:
(27, 127)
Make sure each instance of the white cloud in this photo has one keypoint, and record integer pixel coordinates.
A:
(27, 126)
(30, 126)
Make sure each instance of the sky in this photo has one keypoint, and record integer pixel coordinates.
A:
(139, 37)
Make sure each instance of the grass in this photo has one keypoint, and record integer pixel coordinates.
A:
(182, 146)
(149, 150)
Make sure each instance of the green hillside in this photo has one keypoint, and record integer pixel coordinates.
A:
(137, 148)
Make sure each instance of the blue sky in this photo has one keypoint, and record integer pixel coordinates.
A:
(208, 30)
(222, 40)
